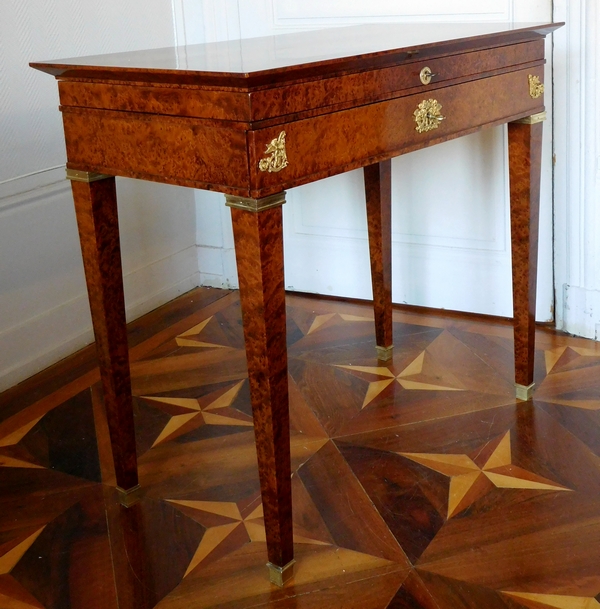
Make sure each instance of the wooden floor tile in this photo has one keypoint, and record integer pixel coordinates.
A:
(419, 483)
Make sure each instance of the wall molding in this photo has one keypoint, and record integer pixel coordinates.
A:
(310, 12)
(577, 189)
(582, 311)
(206, 21)
(44, 314)
(349, 221)
(34, 195)
(179, 16)
(19, 189)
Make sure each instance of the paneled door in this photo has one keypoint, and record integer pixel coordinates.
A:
(450, 215)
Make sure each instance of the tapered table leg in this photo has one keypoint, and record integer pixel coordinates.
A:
(96, 210)
(525, 151)
(257, 229)
(378, 190)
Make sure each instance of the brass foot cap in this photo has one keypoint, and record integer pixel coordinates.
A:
(385, 354)
(280, 575)
(130, 496)
(524, 392)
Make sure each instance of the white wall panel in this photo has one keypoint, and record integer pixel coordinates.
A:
(577, 170)
(43, 302)
(448, 226)
(451, 243)
(451, 238)
(440, 10)
(36, 30)
(437, 206)
(44, 313)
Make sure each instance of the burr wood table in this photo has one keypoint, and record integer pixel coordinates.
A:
(254, 117)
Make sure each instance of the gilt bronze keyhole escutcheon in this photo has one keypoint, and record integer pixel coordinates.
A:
(426, 75)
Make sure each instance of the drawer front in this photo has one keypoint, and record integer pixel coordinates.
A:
(375, 85)
(326, 145)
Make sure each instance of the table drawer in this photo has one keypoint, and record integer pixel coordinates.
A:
(395, 81)
(334, 143)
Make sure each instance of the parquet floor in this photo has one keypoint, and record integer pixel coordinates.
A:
(421, 483)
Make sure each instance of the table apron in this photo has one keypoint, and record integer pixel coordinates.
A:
(326, 145)
(226, 157)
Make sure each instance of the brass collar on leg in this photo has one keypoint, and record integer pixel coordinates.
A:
(540, 117)
(76, 175)
(255, 205)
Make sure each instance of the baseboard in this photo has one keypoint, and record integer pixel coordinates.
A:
(581, 315)
(41, 341)
(22, 189)
(217, 267)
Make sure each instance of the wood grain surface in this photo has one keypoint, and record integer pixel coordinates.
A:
(378, 190)
(96, 211)
(259, 254)
(524, 152)
(417, 483)
(330, 144)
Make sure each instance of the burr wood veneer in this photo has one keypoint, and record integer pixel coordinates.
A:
(252, 118)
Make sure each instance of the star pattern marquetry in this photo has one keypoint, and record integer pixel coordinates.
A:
(8, 454)
(552, 357)
(593, 405)
(555, 601)
(12, 594)
(470, 481)
(185, 340)
(326, 320)
(12, 438)
(570, 380)
(8, 461)
(408, 489)
(415, 376)
(188, 414)
(224, 523)
(12, 552)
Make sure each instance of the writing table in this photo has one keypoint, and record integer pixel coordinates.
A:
(252, 118)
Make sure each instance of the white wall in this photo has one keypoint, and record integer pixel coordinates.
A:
(44, 313)
(570, 212)
(577, 171)
(450, 232)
